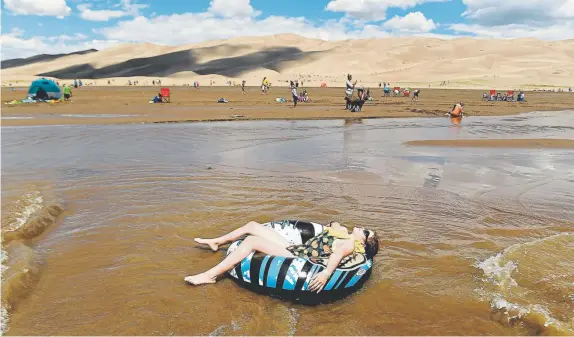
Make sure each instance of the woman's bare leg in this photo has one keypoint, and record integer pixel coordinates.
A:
(250, 244)
(251, 228)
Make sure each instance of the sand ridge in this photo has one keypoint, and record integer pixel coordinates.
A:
(412, 61)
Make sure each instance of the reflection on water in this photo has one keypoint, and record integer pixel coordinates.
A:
(475, 241)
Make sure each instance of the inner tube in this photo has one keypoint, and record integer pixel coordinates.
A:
(289, 278)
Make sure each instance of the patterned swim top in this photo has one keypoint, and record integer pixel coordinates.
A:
(321, 246)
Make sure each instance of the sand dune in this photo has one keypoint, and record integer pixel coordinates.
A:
(463, 62)
(40, 58)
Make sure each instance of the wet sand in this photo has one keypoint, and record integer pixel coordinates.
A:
(121, 105)
(500, 143)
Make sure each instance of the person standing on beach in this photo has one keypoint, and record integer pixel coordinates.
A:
(243, 87)
(415, 96)
(264, 86)
(294, 94)
(67, 93)
(350, 88)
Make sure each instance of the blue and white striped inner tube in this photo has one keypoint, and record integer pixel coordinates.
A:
(289, 278)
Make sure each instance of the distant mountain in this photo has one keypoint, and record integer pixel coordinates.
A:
(40, 58)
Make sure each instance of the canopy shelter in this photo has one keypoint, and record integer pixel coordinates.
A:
(44, 89)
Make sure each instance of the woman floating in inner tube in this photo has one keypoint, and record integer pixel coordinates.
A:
(334, 243)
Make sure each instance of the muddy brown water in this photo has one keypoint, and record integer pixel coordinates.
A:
(98, 225)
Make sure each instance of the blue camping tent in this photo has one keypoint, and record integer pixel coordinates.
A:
(41, 86)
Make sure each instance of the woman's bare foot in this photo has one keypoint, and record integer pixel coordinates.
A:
(210, 242)
(198, 279)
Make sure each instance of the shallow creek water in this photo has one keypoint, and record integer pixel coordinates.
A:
(98, 225)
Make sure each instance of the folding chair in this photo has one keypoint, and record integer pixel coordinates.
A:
(510, 95)
(165, 95)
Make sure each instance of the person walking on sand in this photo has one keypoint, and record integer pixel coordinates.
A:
(294, 94)
(415, 96)
(243, 87)
(67, 92)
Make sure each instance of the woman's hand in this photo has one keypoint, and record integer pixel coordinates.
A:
(319, 281)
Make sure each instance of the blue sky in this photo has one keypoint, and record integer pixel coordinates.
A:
(30, 27)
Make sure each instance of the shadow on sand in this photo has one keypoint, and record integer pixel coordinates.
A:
(186, 60)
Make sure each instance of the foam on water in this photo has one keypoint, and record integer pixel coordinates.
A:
(497, 271)
(4, 319)
(4, 313)
(530, 284)
(24, 218)
(19, 275)
(27, 206)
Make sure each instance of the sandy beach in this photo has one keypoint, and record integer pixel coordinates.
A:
(121, 105)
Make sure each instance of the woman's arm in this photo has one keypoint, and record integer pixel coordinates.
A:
(321, 278)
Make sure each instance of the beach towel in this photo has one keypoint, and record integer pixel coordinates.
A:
(280, 100)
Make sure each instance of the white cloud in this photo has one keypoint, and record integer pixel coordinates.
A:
(98, 15)
(15, 32)
(128, 9)
(372, 10)
(198, 27)
(63, 38)
(132, 9)
(559, 31)
(538, 12)
(414, 22)
(232, 8)
(543, 19)
(57, 8)
(14, 46)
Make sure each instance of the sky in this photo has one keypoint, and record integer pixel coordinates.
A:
(31, 27)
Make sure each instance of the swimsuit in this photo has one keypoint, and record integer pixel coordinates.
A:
(321, 246)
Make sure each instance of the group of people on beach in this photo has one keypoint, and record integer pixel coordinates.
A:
(352, 102)
(355, 104)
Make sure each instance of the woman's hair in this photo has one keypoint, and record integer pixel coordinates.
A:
(372, 245)
(349, 76)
